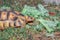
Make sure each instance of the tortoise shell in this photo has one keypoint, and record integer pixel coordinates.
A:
(13, 18)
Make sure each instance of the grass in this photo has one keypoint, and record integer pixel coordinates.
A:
(27, 32)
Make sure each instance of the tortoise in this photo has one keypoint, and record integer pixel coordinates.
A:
(12, 18)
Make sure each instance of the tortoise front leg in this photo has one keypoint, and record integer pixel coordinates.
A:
(12, 24)
(20, 23)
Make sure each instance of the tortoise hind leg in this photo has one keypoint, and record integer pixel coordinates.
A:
(6, 24)
(1, 25)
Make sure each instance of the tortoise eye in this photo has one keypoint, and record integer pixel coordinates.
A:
(29, 17)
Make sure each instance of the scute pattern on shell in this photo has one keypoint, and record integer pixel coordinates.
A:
(13, 18)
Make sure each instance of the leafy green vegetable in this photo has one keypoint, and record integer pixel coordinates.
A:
(38, 14)
(44, 12)
(49, 25)
(34, 12)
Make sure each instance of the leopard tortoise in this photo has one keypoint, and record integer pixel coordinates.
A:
(12, 18)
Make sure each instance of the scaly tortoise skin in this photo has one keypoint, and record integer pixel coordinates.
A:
(13, 18)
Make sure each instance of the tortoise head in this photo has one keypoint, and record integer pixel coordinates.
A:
(29, 19)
